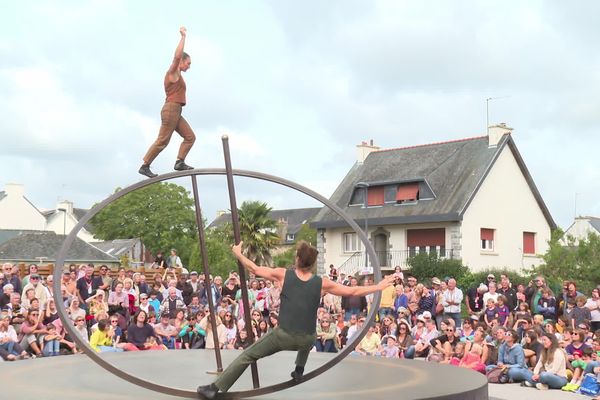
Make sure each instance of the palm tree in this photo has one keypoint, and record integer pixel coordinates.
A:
(258, 231)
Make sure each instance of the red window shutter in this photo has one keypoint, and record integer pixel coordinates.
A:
(487, 234)
(407, 192)
(375, 196)
(426, 237)
(528, 242)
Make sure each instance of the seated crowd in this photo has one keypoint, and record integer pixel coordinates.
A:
(534, 336)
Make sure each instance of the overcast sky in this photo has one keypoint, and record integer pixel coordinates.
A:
(296, 85)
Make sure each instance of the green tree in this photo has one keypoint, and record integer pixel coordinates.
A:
(307, 234)
(218, 248)
(161, 215)
(258, 231)
(425, 266)
(569, 259)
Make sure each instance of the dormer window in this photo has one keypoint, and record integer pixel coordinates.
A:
(391, 193)
(375, 196)
(407, 193)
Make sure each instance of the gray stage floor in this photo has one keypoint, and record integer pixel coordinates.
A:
(364, 378)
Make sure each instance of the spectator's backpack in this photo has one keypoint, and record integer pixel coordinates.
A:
(497, 375)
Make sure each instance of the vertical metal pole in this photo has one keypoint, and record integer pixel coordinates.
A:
(237, 238)
(207, 280)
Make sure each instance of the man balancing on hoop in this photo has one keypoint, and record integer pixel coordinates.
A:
(300, 297)
(170, 115)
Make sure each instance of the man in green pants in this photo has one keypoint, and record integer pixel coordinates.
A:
(300, 297)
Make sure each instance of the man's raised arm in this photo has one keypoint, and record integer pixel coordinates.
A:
(178, 51)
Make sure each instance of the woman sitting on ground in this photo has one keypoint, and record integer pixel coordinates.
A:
(532, 348)
(405, 340)
(550, 371)
(10, 349)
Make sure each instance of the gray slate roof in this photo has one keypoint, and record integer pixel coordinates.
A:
(595, 222)
(454, 170)
(7, 234)
(295, 218)
(30, 245)
(116, 247)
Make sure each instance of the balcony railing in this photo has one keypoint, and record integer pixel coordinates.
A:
(389, 259)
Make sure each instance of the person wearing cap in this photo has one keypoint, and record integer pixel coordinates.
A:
(507, 291)
(39, 290)
(301, 292)
(388, 349)
(145, 304)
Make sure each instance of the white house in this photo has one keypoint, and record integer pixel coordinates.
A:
(582, 227)
(470, 199)
(17, 213)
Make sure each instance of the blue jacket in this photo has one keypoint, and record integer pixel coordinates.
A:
(511, 357)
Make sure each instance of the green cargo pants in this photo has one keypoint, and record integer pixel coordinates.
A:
(271, 343)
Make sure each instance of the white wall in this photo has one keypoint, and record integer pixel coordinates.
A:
(580, 229)
(335, 255)
(59, 224)
(16, 212)
(505, 203)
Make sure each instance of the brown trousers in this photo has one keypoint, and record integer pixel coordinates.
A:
(171, 120)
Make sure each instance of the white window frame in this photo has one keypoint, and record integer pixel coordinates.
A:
(350, 242)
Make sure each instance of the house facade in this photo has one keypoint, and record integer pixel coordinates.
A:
(582, 227)
(18, 213)
(471, 199)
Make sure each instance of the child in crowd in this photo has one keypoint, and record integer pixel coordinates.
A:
(547, 304)
(389, 349)
(579, 363)
(51, 341)
(491, 311)
(242, 341)
(503, 311)
(580, 312)
(523, 311)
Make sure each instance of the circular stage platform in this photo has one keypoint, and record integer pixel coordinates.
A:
(364, 378)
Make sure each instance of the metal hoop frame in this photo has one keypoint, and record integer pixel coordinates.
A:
(60, 260)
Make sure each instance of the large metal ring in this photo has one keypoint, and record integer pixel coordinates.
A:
(60, 260)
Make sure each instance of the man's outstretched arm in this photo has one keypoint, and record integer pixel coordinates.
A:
(341, 290)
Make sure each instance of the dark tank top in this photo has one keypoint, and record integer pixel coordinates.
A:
(175, 91)
(299, 303)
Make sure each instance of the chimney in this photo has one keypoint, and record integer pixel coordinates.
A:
(14, 189)
(364, 149)
(496, 132)
(66, 205)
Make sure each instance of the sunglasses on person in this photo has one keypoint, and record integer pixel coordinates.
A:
(79, 320)
(113, 321)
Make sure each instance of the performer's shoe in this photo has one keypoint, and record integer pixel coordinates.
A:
(145, 170)
(208, 392)
(296, 376)
(180, 165)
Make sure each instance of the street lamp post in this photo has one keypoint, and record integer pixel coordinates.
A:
(64, 210)
(365, 187)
